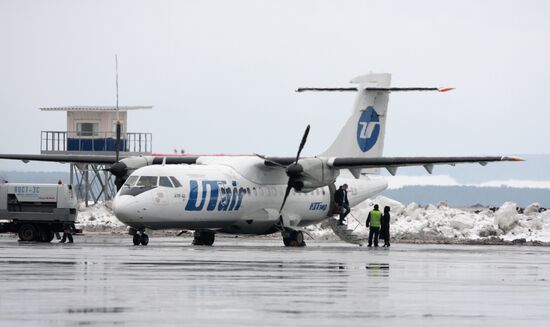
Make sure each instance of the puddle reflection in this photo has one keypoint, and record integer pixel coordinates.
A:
(378, 269)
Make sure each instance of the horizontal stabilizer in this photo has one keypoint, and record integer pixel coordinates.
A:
(379, 89)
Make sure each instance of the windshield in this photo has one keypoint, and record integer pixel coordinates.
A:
(131, 181)
(147, 181)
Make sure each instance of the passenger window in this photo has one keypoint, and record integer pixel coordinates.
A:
(254, 191)
(248, 190)
(228, 191)
(175, 181)
(131, 181)
(147, 181)
(165, 181)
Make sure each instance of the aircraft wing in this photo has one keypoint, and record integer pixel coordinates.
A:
(392, 163)
(63, 158)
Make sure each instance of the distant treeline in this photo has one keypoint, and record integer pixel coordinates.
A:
(466, 196)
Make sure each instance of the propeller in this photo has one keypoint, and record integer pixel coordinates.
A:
(119, 170)
(293, 171)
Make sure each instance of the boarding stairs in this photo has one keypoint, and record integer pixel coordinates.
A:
(345, 232)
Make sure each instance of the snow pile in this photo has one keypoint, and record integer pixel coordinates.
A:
(98, 217)
(441, 223)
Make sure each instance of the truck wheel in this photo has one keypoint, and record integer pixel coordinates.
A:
(136, 239)
(46, 235)
(27, 233)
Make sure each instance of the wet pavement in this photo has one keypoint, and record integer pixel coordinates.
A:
(103, 280)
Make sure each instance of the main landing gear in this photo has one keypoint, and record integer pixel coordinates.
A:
(140, 237)
(204, 237)
(293, 238)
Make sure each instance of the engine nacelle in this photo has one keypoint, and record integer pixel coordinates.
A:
(311, 173)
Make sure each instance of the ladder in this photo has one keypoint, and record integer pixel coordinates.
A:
(345, 233)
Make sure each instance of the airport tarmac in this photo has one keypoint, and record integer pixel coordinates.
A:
(103, 280)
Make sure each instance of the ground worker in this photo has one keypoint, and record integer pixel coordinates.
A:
(66, 234)
(341, 199)
(374, 222)
(385, 226)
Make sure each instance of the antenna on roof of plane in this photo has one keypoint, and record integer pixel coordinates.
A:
(117, 140)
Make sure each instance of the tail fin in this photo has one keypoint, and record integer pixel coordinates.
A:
(363, 133)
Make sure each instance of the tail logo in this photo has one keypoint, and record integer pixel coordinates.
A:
(368, 129)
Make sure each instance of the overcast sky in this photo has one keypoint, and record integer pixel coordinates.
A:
(221, 74)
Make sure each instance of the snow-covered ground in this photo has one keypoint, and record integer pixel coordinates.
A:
(97, 218)
(408, 222)
(439, 222)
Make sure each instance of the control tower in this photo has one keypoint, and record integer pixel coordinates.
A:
(91, 130)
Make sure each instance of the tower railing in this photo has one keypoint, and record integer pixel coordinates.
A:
(70, 141)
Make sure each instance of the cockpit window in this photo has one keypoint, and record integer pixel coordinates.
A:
(131, 181)
(147, 181)
(175, 181)
(165, 181)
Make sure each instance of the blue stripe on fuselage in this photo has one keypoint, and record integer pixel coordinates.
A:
(230, 200)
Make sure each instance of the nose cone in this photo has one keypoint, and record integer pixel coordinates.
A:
(125, 208)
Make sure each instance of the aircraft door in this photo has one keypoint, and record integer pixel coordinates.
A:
(332, 206)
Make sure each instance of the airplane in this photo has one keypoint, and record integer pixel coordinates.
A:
(256, 194)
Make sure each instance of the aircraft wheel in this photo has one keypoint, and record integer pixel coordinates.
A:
(137, 239)
(295, 239)
(144, 239)
(27, 233)
(207, 238)
(287, 241)
(204, 238)
(299, 237)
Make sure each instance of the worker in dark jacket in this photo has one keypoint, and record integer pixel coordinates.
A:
(374, 222)
(385, 226)
(341, 199)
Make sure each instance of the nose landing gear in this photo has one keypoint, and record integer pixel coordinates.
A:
(139, 237)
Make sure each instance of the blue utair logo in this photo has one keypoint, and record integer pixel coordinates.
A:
(368, 129)
(230, 197)
(318, 206)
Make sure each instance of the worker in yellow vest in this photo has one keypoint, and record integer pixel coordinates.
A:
(374, 222)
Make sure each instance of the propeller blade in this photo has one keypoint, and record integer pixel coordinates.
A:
(287, 193)
(302, 143)
(119, 170)
(117, 141)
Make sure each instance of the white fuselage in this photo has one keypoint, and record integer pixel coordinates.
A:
(229, 195)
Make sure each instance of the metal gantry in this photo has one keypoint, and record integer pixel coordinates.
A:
(92, 182)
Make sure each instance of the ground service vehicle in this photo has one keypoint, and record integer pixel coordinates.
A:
(37, 211)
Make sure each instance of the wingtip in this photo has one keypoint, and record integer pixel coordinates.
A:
(513, 158)
(445, 89)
